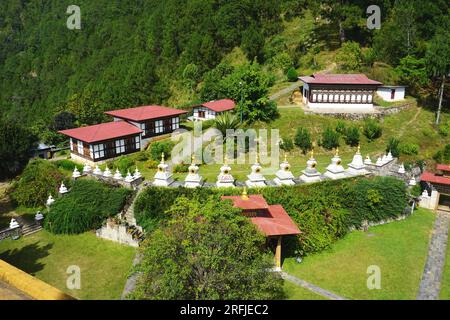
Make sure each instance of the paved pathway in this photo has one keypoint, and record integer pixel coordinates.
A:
(285, 91)
(311, 287)
(430, 285)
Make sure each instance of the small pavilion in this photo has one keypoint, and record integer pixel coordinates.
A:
(436, 187)
(272, 220)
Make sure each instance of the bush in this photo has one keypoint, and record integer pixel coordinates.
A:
(292, 75)
(124, 164)
(157, 148)
(340, 127)
(324, 211)
(409, 149)
(85, 207)
(287, 144)
(39, 179)
(393, 147)
(68, 165)
(372, 129)
(303, 139)
(151, 164)
(141, 156)
(352, 136)
(330, 139)
(181, 168)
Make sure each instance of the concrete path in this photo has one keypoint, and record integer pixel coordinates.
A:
(430, 285)
(285, 91)
(311, 287)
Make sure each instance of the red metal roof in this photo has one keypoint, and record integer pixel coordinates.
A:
(220, 105)
(432, 178)
(102, 132)
(276, 223)
(254, 202)
(443, 167)
(320, 78)
(145, 113)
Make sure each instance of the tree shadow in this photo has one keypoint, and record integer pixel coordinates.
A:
(27, 258)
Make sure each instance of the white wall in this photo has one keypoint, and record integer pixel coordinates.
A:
(209, 114)
(345, 107)
(385, 93)
(305, 87)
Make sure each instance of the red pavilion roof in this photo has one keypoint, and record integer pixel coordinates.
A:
(220, 105)
(102, 132)
(433, 178)
(358, 78)
(145, 113)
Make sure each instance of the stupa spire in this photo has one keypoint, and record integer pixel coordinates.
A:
(244, 195)
(162, 157)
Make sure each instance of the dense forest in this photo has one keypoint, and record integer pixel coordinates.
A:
(176, 52)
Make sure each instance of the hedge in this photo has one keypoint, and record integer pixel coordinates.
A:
(85, 207)
(324, 211)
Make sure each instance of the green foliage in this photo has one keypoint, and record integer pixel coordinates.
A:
(124, 164)
(287, 144)
(249, 86)
(324, 211)
(16, 147)
(393, 147)
(181, 168)
(303, 139)
(68, 165)
(372, 129)
(350, 57)
(212, 236)
(85, 207)
(341, 127)
(39, 179)
(226, 121)
(253, 43)
(292, 75)
(329, 139)
(158, 147)
(409, 149)
(412, 72)
(352, 136)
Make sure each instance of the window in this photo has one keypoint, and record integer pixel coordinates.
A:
(159, 126)
(99, 151)
(392, 94)
(120, 146)
(175, 123)
(80, 147)
(138, 143)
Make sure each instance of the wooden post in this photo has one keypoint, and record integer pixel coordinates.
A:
(278, 254)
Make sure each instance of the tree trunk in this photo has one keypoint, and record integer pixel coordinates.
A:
(341, 33)
(441, 93)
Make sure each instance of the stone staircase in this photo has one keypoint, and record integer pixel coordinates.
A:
(28, 228)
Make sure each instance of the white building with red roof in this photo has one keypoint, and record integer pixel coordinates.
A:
(210, 110)
(129, 132)
(335, 91)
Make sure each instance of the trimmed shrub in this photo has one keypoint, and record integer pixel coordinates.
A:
(292, 75)
(68, 165)
(85, 207)
(157, 148)
(124, 164)
(409, 149)
(181, 168)
(352, 136)
(341, 127)
(372, 129)
(38, 180)
(303, 139)
(287, 144)
(329, 139)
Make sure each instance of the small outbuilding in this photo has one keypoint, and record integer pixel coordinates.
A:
(391, 93)
(210, 110)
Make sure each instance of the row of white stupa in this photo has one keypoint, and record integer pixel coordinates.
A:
(284, 176)
(107, 173)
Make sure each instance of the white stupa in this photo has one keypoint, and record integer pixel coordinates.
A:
(425, 194)
(310, 174)
(335, 170)
(367, 161)
(284, 176)
(384, 159)
(412, 182)
(76, 173)
(129, 177)
(117, 175)
(97, 171)
(225, 179)
(401, 169)
(50, 200)
(357, 167)
(63, 189)
(38, 217)
(87, 168)
(163, 178)
(379, 162)
(137, 174)
(193, 179)
(389, 156)
(255, 178)
(107, 173)
(13, 224)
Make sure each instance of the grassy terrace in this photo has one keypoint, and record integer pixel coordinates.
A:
(398, 248)
(445, 283)
(104, 265)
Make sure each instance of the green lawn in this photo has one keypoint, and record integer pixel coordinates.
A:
(399, 249)
(294, 292)
(445, 283)
(104, 265)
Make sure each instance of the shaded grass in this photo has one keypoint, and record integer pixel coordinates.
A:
(445, 282)
(399, 249)
(104, 265)
(294, 292)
